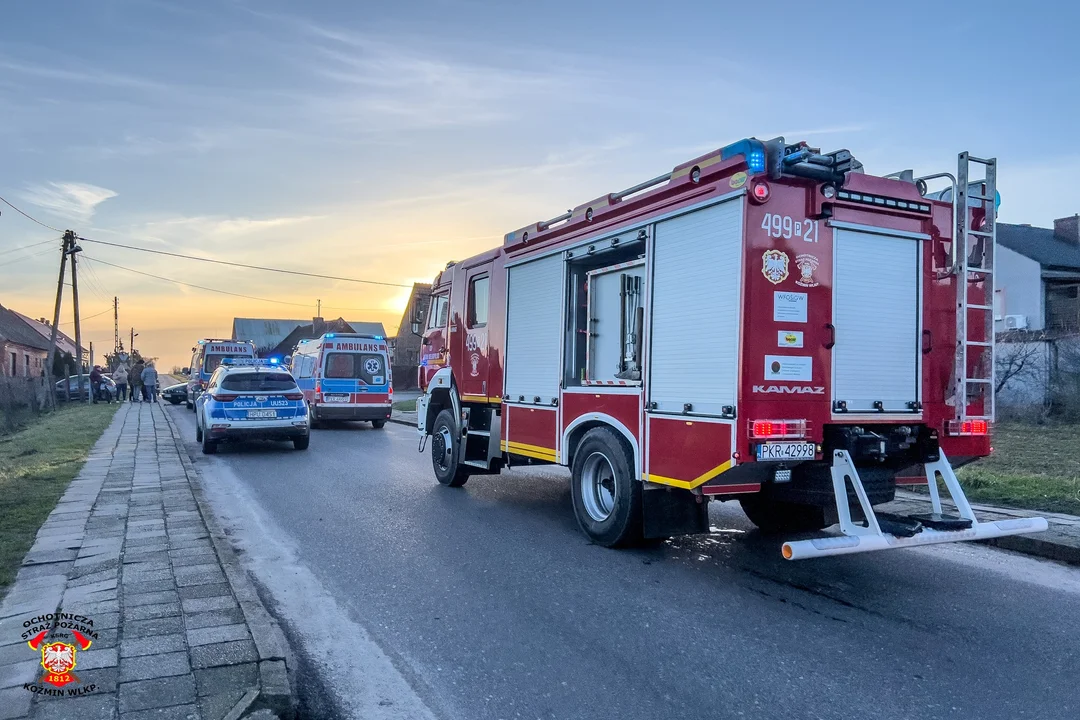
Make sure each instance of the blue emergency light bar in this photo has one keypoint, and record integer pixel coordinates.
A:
(250, 362)
(753, 150)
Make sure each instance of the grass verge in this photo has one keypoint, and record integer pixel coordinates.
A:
(406, 405)
(36, 465)
(1033, 466)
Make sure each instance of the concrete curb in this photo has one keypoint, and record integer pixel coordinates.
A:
(275, 691)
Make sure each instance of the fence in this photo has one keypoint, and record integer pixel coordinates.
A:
(20, 397)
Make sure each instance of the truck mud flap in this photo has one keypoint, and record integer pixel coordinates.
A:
(668, 512)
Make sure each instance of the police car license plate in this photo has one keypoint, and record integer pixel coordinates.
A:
(786, 451)
(339, 398)
(262, 413)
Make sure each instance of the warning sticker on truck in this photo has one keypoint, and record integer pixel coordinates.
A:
(789, 367)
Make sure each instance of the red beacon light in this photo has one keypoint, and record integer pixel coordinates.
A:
(760, 191)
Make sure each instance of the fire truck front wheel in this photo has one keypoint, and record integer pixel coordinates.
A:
(446, 451)
(606, 497)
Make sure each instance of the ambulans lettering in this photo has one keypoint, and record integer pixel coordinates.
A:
(356, 346)
(229, 349)
(789, 390)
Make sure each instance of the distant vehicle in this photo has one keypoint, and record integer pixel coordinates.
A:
(247, 398)
(73, 388)
(175, 394)
(205, 358)
(345, 376)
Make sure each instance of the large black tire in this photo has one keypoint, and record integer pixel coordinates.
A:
(378, 424)
(780, 517)
(301, 443)
(606, 495)
(174, 401)
(198, 432)
(313, 419)
(446, 451)
(209, 447)
(189, 405)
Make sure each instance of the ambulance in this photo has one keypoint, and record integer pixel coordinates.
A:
(206, 356)
(345, 376)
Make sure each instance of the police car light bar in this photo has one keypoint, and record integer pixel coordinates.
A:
(250, 362)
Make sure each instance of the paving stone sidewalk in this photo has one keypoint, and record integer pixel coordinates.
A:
(131, 546)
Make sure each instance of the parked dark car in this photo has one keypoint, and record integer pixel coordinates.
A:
(175, 394)
(73, 388)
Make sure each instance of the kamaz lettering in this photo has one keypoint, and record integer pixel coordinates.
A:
(789, 389)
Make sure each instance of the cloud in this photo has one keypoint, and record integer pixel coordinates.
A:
(216, 228)
(69, 200)
(88, 76)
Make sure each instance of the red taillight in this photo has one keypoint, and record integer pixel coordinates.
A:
(760, 191)
(224, 398)
(777, 429)
(294, 396)
(969, 427)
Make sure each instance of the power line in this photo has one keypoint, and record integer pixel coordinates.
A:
(27, 257)
(27, 247)
(200, 287)
(88, 317)
(29, 217)
(243, 265)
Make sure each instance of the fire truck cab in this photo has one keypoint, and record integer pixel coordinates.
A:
(765, 323)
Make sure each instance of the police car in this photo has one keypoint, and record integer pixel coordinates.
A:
(251, 399)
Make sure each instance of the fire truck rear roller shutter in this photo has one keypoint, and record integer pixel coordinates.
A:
(697, 273)
(534, 329)
(876, 306)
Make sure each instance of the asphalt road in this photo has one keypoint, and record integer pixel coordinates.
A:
(489, 603)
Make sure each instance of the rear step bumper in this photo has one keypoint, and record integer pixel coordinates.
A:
(859, 538)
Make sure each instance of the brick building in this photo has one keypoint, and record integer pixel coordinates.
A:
(23, 350)
(407, 345)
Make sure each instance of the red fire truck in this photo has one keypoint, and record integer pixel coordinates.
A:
(765, 323)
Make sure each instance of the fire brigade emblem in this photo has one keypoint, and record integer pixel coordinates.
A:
(808, 265)
(474, 359)
(774, 266)
(59, 660)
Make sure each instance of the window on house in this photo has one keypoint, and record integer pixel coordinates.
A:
(478, 302)
(13, 369)
(26, 364)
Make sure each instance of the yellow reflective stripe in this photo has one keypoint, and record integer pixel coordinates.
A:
(691, 484)
(541, 453)
(480, 399)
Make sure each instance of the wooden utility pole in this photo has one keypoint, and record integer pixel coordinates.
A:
(69, 238)
(75, 249)
(116, 325)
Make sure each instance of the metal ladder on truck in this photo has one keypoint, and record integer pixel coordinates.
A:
(973, 254)
(972, 262)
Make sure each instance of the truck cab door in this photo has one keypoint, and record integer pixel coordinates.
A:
(434, 348)
(474, 368)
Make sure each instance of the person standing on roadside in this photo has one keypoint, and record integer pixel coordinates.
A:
(149, 381)
(120, 377)
(95, 383)
(135, 380)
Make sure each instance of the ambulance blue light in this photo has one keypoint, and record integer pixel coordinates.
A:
(274, 361)
(378, 337)
(330, 335)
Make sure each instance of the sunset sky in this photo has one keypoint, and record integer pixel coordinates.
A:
(379, 140)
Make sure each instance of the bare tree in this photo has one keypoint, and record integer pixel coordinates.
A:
(1021, 359)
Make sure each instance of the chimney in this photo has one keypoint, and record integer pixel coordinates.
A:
(318, 326)
(1068, 229)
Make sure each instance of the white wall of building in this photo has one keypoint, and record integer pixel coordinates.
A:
(1019, 287)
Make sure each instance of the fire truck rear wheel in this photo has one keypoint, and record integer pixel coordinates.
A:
(446, 451)
(778, 516)
(606, 497)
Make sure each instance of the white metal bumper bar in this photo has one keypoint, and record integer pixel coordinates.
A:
(866, 538)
